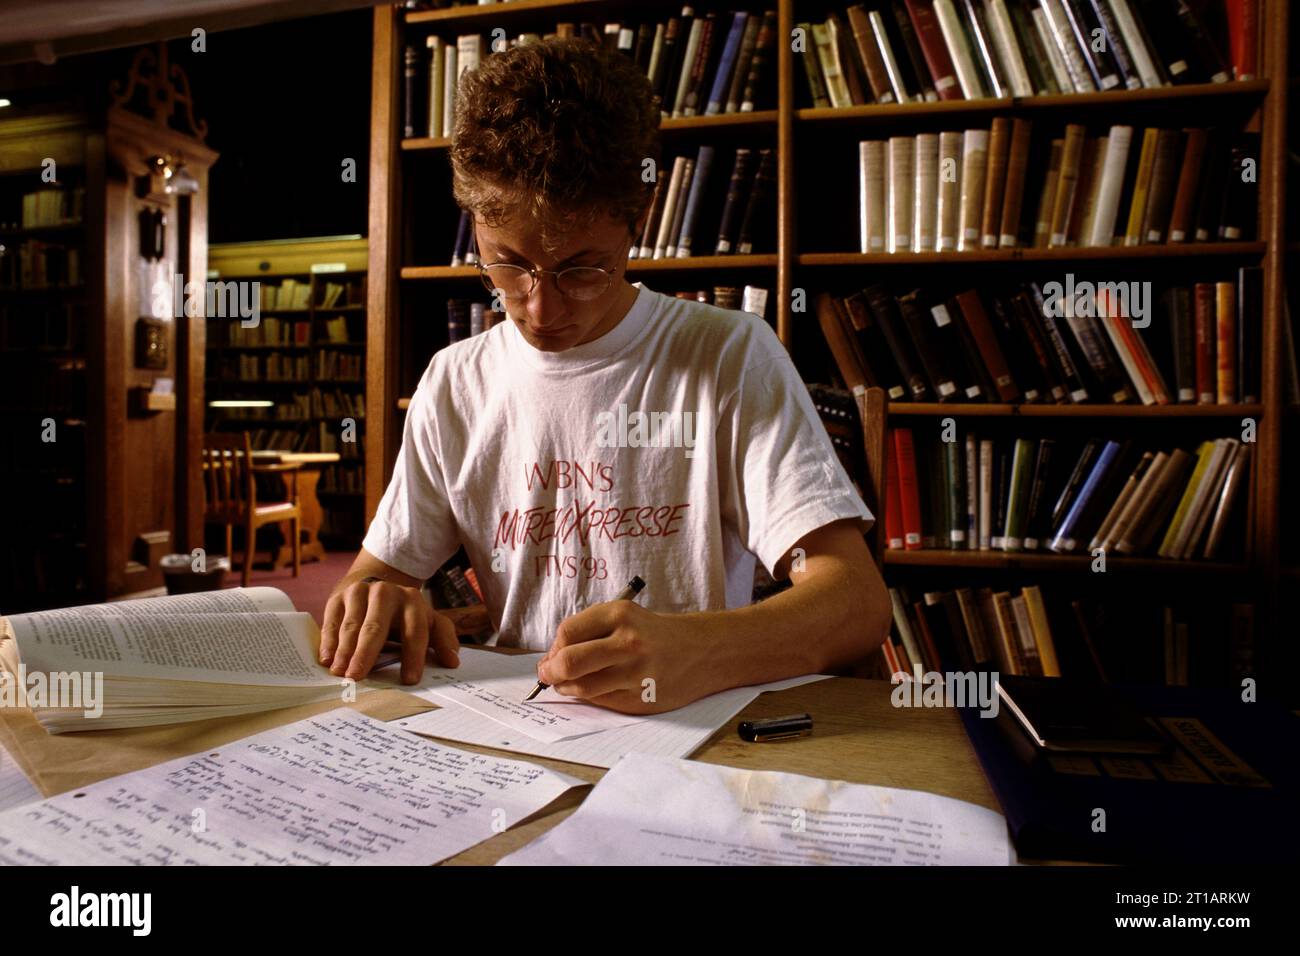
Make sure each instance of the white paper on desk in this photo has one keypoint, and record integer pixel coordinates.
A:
(337, 788)
(659, 811)
(494, 685)
(678, 733)
(16, 788)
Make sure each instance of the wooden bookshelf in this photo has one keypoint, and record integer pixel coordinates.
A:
(802, 136)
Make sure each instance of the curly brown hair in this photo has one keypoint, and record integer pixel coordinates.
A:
(557, 131)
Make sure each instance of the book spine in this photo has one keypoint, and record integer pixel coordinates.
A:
(1004, 41)
(1106, 213)
(1056, 62)
(898, 231)
(984, 49)
(733, 208)
(1205, 313)
(1013, 535)
(727, 64)
(974, 164)
(1250, 299)
(901, 93)
(1126, 22)
(1067, 182)
(995, 181)
(1114, 39)
(977, 321)
(759, 208)
(1225, 312)
(909, 493)
(748, 44)
(954, 38)
(1180, 218)
(1176, 304)
(984, 520)
(885, 311)
(1065, 540)
(1014, 193)
(948, 215)
(1098, 57)
(919, 324)
(956, 484)
(761, 66)
(874, 65)
(935, 48)
(1141, 187)
(926, 193)
(1078, 68)
(694, 200)
(871, 173)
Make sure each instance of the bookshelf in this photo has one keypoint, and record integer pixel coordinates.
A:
(308, 358)
(99, 438)
(816, 231)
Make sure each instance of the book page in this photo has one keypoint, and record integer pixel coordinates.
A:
(661, 811)
(338, 788)
(199, 637)
(16, 788)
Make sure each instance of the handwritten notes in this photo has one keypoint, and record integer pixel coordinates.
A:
(661, 811)
(16, 788)
(677, 733)
(339, 788)
(494, 685)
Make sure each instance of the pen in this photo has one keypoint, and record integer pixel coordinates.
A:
(628, 593)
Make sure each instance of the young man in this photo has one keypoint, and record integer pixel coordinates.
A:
(605, 431)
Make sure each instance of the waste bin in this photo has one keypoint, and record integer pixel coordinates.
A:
(181, 578)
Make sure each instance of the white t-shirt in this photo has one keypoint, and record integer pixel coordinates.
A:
(677, 447)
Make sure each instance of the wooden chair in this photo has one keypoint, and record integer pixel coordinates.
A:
(230, 494)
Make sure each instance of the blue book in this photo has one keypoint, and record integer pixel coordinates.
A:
(1065, 538)
(694, 199)
(727, 64)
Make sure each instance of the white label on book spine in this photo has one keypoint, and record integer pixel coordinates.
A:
(973, 391)
(1177, 235)
(896, 392)
(941, 316)
(1109, 81)
(1178, 67)
(971, 233)
(912, 538)
(1007, 241)
(947, 388)
(945, 82)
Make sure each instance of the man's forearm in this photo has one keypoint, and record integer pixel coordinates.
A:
(833, 618)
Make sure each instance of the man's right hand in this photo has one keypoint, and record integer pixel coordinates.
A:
(360, 617)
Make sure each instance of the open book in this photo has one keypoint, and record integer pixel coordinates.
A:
(164, 660)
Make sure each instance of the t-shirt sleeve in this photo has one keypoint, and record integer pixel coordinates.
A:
(779, 476)
(413, 529)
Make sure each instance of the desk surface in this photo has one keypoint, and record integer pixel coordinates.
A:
(859, 736)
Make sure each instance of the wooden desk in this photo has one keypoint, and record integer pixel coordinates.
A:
(308, 465)
(859, 736)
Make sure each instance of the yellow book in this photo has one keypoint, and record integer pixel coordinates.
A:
(1007, 632)
(1202, 460)
(1042, 632)
(1141, 187)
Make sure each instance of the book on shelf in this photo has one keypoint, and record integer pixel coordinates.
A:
(1023, 495)
(965, 190)
(923, 50)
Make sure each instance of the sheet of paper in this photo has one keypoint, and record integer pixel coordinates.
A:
(652, 810)
(16, 788)
(494, 685)
(678, 733)
(338, 788)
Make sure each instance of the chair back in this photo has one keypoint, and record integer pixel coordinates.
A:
(228, 491)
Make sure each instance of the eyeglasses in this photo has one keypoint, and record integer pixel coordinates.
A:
(513, 282)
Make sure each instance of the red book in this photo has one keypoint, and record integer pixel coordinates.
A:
(1243, 37)
(934, 49)
(1225, 314)
(1207, 388)
(893, 501)
(891, 658)
(909, 497)
(981, 330)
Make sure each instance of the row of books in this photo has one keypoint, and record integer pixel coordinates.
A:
(1040, 494)
(271, 331)
(331, 365)
(904, 51)
(747, 221)
(466, 318)
(1027, 631)
(342, 294)
(287, 294)
(301, 406)
(53, 207)
(456, 586)
(749, 298)
(272, 367)
(1055, 342)
(37, 264)
(701, 65)
(966, 190)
